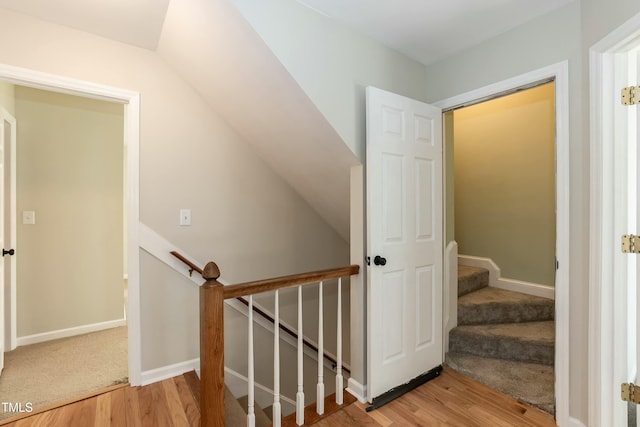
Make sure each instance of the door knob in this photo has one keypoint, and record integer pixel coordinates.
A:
(9, 252)
(378, 260)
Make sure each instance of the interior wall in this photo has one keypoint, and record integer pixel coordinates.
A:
(69, 172)
(547, 40)
(244, 216)
(333, 63)
(505, 183)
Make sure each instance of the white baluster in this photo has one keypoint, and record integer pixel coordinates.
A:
(339, 386)
(300, 393)
(251, 417)
(320, 386)
(276, 363)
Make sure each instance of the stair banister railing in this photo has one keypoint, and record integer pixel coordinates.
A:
(212, 296)
(261, 313)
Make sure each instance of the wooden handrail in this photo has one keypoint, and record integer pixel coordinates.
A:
(341, 272)
(192, 266)
(259, 286)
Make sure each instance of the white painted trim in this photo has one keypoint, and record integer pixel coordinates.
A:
(497, 281)
(11, 341)
(357, 390)
(70, 332)
(169, 371)
(25, 77)
(573, 422)
(602, 296)
(450, 293)
(559, 72)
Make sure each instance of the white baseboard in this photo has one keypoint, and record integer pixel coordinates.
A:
(358, 390)
(169, 371)
(573, 422)
(497, 281)
(70, 332)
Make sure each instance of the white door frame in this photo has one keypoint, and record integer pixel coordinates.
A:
(10, 240)
(605, 316)
(560, 74)
(131, 101)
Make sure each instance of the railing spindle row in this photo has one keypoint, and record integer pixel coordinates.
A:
(212, 296)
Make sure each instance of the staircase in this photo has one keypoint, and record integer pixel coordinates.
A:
(504, 339)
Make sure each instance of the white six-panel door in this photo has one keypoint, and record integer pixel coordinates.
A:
(405, 233)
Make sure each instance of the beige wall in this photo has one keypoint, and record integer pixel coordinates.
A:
(245, 217)
(7, 97)
(70, 152)
(505, 183)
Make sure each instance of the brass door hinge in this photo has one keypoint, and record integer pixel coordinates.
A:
(631, 95)
(631, 244)
(630, 393)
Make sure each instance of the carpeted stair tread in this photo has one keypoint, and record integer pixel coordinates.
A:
(262, 419)
(493, 305)
(529, 382)
(471, 279)
(234, 414)
(525, 342)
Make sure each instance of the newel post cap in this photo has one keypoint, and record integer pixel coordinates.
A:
(211, 271)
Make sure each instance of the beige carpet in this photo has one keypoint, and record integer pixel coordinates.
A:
(58, 370)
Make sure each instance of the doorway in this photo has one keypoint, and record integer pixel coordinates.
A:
(503, 150)
(131, 101)
(70, 252)
(559, 74)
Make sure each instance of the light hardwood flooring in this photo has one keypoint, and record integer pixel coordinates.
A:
(449, 400)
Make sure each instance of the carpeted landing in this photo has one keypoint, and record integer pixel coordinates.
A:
(504, 339)
(46, 373)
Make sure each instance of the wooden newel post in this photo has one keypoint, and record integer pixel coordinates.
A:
(211, 349)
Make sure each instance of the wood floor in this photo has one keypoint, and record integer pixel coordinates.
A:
(449, 400)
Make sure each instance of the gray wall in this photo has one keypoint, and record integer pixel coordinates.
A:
(333, 63)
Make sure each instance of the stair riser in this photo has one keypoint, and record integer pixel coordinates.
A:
(473, 282)
(502, 348)
(504, 313)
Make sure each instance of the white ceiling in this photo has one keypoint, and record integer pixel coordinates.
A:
(429, 30)
(136, 22)
(426, 30)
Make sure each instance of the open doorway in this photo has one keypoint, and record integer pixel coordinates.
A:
(559, 74)
(505, 228)
(71, 240)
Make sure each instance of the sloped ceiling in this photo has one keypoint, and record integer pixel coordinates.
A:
(237, 74)
(135, 22)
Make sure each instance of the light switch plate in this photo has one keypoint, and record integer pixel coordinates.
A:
(28, 217)
(185, 216)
